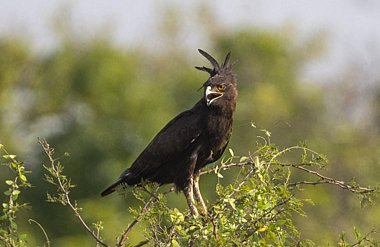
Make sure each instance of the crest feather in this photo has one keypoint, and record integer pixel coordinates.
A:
(216, 67)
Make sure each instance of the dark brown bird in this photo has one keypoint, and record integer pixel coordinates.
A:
(191, 140)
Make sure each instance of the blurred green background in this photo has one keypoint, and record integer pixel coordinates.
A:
(102, 102)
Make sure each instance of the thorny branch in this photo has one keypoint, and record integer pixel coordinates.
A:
(322, 178)
(50, 152)
(270, 210)
(122, 240)
(124, 236)
(3, 239)
(153, 198)
(242, 182)
(142, 243)
(328, 180)
(227, 166)
(363, 239)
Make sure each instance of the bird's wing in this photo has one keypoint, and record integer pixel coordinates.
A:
(171, 142)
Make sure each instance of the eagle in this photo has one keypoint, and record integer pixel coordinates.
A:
(191, 140)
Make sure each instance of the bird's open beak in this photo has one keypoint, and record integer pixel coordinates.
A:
(212, 95)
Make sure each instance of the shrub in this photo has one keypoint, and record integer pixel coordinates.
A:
(255, 210)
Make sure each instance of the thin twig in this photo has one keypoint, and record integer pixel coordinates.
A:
(171, 234)
(364, 238)
(97, 235)
(329, 180)
(214, 227)
(3, 239)
(307, 183)
(124, 236)
(323, 179)
(268, 211)
(142, 243)
(42, 229)
(50, 152)
(226, 167)
(242, 182)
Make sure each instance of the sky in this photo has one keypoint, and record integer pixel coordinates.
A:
(352, 26)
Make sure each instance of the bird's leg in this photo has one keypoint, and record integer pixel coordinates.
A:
(189, 194)
(198, 195)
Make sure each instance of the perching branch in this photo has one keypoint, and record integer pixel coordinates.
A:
(58, 176)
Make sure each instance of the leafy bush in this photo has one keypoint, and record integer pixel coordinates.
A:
(255, 210)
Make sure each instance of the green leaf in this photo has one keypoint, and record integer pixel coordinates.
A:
(232, 203)
(16, 192)
(262, 229)
(9, 156)
(267, 133)
(175, 243)
(280, 222)
(9, 182)
(243, 159)
(23, 178)
(231, 152)
(13, 225)
(257, 162)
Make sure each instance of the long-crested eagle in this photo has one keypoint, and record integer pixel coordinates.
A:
(191, 140)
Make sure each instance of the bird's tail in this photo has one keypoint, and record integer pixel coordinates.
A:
(112, 187)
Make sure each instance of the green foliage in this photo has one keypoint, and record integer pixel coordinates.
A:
(9, 234)
(257, 209)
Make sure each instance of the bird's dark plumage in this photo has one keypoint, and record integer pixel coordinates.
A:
(191, 140)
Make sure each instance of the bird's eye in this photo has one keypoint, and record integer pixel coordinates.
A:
(221, 87)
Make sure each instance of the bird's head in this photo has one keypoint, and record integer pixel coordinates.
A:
(221, 88)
